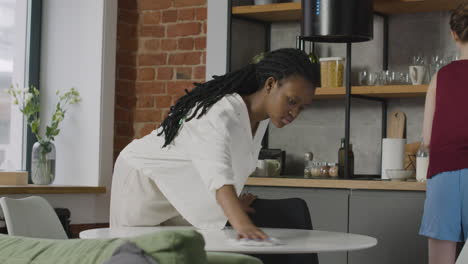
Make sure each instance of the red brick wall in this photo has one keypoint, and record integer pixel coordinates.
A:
(161, 50)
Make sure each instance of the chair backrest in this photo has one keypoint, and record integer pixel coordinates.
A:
(31, 217)
(282, 213)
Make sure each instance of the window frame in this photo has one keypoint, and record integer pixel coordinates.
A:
(33, 69)
(26, 72)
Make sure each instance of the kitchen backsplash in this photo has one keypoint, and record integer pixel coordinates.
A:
(320, 127)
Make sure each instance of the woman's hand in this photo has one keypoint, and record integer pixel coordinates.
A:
(246, 200)
(232, 207)
(250, 231)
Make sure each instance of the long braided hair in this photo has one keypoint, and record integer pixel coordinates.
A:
(279, 64)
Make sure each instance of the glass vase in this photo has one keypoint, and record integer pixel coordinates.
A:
(43, 163)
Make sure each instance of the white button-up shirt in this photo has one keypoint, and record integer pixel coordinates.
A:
(152, 184)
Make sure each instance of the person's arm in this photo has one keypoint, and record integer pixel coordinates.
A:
(240, 221)
(429, 109)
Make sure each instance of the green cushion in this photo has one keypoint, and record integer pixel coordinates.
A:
(167, 247)
(230, 258)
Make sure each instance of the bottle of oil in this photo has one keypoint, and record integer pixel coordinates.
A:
(341, 160)
(313, 58)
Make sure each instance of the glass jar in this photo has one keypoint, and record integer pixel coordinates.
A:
(308, 157)
(331, 72)
(43, 163)
(333, 171)
(315, 169)
(324, 170)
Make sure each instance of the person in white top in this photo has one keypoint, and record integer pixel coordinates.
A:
(192, 169)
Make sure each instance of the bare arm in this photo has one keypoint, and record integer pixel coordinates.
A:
(429, 109)
(232, 207)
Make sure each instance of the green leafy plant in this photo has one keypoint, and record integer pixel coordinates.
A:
(28, 101)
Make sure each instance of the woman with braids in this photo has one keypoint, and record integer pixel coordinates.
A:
(191, 170)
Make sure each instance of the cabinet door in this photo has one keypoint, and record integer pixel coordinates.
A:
(393, 218)
(328, 210)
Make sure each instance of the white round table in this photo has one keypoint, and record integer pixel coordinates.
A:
(296, 241)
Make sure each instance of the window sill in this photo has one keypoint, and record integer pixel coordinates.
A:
(50, 189)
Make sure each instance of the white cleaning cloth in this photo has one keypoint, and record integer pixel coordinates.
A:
(270, 242)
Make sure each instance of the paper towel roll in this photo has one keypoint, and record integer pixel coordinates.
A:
(393, 154)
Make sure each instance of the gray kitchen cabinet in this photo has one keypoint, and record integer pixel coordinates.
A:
(393, 217)
(328, 210)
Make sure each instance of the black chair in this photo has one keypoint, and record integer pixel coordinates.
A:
(290, 213)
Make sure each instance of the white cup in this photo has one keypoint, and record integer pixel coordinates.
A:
(417, 74)
(273, 167)
(268, 167)
(261, 169)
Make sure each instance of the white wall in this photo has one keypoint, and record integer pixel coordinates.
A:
(78, 50)
(72, 56)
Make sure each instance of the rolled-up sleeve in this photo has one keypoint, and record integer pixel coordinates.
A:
(209, 148)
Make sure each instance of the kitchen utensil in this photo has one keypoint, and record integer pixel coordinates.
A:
(261, 169)
(277, 154)
(363, 78)
(410, 157)
(268, 168)
(373, 78)
(273, 168)
(417, 74)
(393, 154)
(398, 175)
(397, 124)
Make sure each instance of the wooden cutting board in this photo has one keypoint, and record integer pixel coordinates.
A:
(397, 123)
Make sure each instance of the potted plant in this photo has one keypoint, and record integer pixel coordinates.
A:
(43, 152)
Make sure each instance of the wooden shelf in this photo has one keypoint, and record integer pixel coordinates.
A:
(336, 184)
(49, 189)
(292, 11)
(387, 91)
(270, 13)
(414, 6)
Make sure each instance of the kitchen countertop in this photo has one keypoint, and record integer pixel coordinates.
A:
(360, 183)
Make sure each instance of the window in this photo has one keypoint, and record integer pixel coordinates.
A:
(13, 28)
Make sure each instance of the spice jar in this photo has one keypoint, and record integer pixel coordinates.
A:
(324, 170)
(315, 169)
(307, 173)
(331, 72)
(333, 171)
